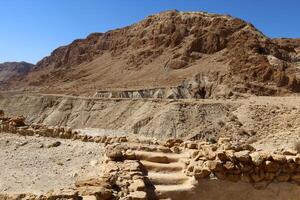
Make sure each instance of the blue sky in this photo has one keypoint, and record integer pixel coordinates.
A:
(31, 29)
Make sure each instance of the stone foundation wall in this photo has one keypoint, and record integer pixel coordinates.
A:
(227, 161)
(17, 125)
(125, 176)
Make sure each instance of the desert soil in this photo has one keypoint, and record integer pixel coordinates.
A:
(28, 164)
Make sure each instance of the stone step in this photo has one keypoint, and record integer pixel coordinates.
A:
(159, 157)
(174, 192)
(167, 178)
(162, 167)
(89, 198)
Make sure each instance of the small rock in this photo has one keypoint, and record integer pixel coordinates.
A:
(137, 185)
(137, 195)
(258, 158)
(271, 166)
(229, 165)
(243, 156)
(54, 144)
(222, 156)
(289, 152)
(279, 158)
(214, 166)
(201, 172)
(94, 163)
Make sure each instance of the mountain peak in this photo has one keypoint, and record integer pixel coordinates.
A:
(167, 48)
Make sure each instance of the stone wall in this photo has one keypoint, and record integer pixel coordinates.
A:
(127, 170)
(222, 160)
(242, 163)
(16, 125)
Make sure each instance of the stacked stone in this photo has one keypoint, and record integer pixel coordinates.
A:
(241, 163)
(17, 126)
(51, 195)
(129, 175)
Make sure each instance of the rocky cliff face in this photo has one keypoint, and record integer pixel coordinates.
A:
(9, 70)
(167, 48)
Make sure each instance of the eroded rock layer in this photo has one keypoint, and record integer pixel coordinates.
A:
(165, 49)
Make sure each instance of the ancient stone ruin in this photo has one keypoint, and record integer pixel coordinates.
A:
(174, 169)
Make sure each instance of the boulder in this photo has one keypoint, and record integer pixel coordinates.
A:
(191, 145)
(228, 165)
(17, 121)
(246, 167)
(243, 156)
(297, 159)
(222, 156)
(54, 144)
(271, 166)
(122, 139)
(115, 154)
(132, 165)
(137, 185)
(201, 172)
(63, 194)
(129, 155)
(209, 154)
(289, 152)
(289, 168)
(215, 166)
(279, 158)
(101, 193)
(258, 158)
(104, 182)
(137, 195)
(171, 142)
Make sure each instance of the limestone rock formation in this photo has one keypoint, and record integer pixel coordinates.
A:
(165, 49)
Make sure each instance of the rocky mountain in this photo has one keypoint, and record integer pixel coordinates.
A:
(10, 70)
(224, 54)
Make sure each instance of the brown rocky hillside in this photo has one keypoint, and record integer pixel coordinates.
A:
(165, 49)
(9, 70)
